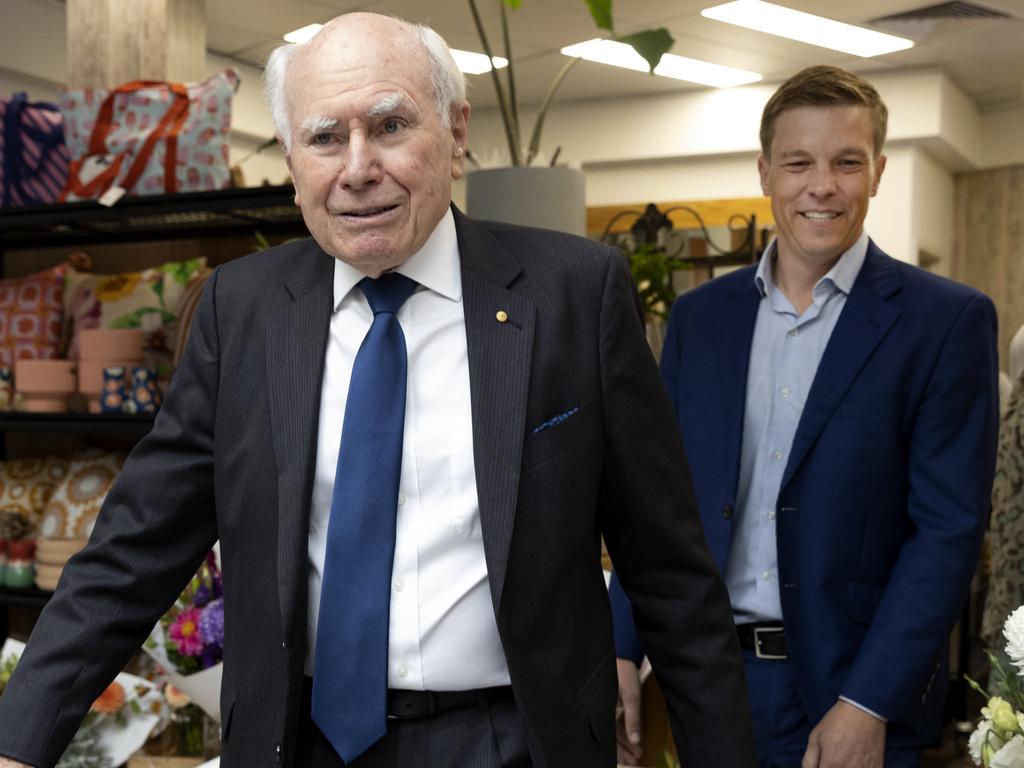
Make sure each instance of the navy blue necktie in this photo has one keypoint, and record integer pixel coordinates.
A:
(350, 676)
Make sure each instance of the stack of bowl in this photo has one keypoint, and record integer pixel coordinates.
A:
(51, 554)
(101, 348)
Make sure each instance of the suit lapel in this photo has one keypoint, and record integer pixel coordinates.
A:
(734, 331)
(499, 378)
(296, 339)
(863, 323)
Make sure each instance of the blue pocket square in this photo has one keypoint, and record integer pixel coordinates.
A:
(556, 420)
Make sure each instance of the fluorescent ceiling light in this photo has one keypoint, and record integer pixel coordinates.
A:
(806, 28)
(476, 63)
(302, 35)
(677, 67)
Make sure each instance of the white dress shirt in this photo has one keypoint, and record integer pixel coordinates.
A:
(443, 634)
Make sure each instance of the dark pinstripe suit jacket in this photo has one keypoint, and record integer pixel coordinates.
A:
(232, 455)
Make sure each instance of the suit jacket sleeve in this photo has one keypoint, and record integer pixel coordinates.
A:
(152, 533)
(654, 536)
(949, 472)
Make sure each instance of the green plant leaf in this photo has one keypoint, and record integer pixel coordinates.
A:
(601, 10)
(514, 4)
(134, 319)
(651, 44)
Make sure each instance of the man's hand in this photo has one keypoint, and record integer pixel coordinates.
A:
(6, 762)
(847, 737)
(627, 727)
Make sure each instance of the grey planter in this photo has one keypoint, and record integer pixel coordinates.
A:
(552, 198)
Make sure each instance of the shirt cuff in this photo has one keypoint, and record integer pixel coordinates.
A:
(862, 708)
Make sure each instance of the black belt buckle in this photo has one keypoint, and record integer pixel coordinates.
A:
(760, 632)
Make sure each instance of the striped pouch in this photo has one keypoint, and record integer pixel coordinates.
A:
(33, 157)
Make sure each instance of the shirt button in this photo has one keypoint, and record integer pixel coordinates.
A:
(795, 332)
(767, 575)
(403, 671)
(401, 499)
(399, 585)
(778, 455)
(771, 515)
(785, 391)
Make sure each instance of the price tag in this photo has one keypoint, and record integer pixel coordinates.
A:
(112, 195)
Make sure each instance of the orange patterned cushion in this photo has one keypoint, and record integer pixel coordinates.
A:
(26, 485)
(31, 314)
(72, 508)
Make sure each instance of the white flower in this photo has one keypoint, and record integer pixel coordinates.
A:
(1013, 631)
(982, 734)
(1010, 755)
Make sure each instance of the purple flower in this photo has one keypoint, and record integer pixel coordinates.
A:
(201, 597)
(211, 623)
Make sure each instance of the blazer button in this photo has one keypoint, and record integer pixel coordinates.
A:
(727, 512)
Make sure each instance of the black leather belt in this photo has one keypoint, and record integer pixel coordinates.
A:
(410, 705)
(766, 639)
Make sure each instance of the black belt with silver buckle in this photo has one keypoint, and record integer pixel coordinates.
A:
(410, 705)
(766, 639)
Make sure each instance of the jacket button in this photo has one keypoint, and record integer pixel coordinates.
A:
(277, 752)
(727, 512)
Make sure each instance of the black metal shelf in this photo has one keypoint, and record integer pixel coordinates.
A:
(155, 217)
(27, 596)
(91, 423)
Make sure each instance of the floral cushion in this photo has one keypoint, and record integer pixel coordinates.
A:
(149, 300)
(26, 485)
(73, 506)
(31, 315)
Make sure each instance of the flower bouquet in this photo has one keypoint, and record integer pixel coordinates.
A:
(116, 726)
(998, 741)
(188, 641)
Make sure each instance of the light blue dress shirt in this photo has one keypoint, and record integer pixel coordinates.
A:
(784, 357)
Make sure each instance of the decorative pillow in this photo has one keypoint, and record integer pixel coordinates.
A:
(26, 485)
(149, 300)
(31, 315)
(72, 509)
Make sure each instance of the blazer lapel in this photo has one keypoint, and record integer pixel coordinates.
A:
(500, 354)
(734, 331)
(296, 339)
(863, 323)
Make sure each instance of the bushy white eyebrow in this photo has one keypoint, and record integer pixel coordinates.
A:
(387, 105)
(315, 125)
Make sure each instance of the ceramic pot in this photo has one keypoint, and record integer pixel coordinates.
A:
(90, 378)
(143, 395)
(45, 384)
(115, 390)
(123, 344)
(6, 388)
(57, 551)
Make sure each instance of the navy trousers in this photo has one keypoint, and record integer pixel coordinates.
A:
(781, 727)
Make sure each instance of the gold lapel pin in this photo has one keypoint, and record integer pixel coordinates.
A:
(502, 316)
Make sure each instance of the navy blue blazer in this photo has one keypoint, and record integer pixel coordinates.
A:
(885, 498)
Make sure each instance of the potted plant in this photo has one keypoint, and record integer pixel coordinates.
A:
(553, 196)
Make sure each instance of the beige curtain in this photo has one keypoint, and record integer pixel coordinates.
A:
(989, 243)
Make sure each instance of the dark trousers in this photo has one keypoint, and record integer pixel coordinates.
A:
(482, 736)
(781, 727)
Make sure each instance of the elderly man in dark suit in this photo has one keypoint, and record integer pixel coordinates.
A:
(409, 434)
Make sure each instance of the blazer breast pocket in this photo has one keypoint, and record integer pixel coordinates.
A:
(560, 433)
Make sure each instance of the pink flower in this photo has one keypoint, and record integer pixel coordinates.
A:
(185, 632)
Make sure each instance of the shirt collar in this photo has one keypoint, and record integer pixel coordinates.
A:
(842, 275)
(435, 266)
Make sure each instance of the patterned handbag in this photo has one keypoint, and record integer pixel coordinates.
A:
(35, 160)
(149, 137)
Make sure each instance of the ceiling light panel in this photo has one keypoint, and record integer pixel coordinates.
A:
(676, 67)
(476, 63)
(806, 28)
(303, 34)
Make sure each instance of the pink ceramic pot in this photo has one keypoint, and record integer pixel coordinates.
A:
(90, 378)
(122, 344)
(45, 384)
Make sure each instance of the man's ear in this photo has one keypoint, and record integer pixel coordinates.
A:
(460, 136)
(879, 167)
(288, 162)
(762, 171)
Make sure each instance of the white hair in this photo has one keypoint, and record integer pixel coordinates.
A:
(448, 82)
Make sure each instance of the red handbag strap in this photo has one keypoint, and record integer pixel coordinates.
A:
(94, 186)
(172, 122)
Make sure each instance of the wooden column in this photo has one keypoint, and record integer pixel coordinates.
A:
(115, 41)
